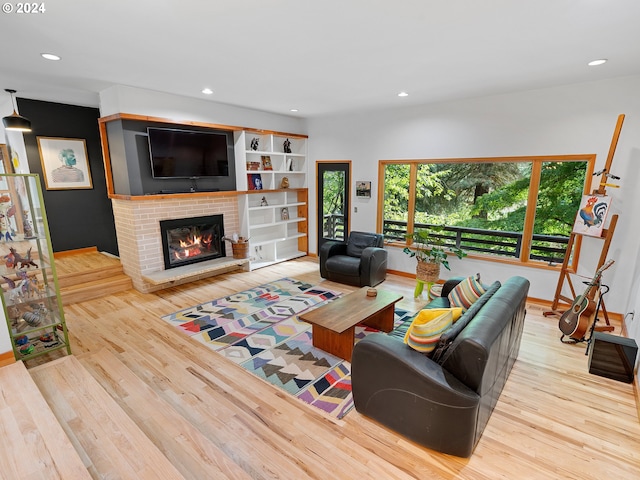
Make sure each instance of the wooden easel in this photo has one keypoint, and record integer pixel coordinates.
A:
(606, 236)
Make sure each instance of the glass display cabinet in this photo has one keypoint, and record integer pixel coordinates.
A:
(30, 294)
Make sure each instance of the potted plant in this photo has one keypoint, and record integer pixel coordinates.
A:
(430, 251)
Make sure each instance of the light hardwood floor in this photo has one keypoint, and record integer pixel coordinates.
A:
(212, 419)
(29, 429)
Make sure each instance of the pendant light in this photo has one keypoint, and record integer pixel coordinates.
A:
(14, 121)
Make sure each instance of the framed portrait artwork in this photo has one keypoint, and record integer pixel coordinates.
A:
(65, 163)
(254, 181)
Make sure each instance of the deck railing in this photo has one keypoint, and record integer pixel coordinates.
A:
(333, 226)
(547, 248)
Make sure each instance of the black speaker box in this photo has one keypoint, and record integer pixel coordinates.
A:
(612, 356)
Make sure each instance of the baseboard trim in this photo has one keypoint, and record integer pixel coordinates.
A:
(401, 273)
(561, 308)
(7, 358)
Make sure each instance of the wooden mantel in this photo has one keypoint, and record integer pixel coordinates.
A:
(191, 195)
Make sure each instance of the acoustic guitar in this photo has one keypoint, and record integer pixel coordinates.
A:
(576, 321)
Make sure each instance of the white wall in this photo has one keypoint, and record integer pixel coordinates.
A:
(564, 120)
(122, 99)
(5, 109)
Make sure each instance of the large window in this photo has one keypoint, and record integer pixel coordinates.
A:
(520, 209)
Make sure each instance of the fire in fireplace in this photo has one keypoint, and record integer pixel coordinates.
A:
(191, 240)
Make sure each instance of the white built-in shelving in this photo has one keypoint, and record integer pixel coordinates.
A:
(273, 217)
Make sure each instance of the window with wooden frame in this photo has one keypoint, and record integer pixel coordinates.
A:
(513, 209)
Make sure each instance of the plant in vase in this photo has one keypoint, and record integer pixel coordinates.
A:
(430, 250)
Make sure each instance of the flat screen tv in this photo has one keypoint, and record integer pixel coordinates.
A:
(188, 153)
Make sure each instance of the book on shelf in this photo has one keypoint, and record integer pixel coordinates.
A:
(253, 165)
(266, 162)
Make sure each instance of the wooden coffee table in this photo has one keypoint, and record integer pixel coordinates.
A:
(333, 325)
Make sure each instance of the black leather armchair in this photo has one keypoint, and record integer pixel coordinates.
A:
(360, 261)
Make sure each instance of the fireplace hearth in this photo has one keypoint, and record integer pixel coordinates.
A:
(191, 240)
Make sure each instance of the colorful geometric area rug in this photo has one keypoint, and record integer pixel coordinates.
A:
(259, 329)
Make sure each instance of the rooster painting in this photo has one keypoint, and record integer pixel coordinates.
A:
(592, 214)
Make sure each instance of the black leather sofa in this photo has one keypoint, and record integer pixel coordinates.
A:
(443, 402)
(360, 261)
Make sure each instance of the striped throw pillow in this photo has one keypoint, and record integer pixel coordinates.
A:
(426, 328)
(466, 292)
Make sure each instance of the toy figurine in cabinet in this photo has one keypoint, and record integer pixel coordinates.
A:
(17, 291)
(14, 259)
(28, 228)
(7, 210)
(9, 260)
(26, 287)
(33, 287)
(36, 316)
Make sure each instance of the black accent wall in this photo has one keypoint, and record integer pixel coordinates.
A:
(77, 218)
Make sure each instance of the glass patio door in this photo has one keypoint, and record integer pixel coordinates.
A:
(333, 200)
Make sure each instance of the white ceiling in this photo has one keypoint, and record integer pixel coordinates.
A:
(322, 56)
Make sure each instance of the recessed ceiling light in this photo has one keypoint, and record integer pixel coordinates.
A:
(293, 110)
(593, 63)
(403, 94)
(50, 56)
(207, 91)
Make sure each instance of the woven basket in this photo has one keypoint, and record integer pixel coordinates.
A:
(427, 271)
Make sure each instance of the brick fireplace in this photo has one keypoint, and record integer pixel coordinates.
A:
(190, 240)
(138, 230)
